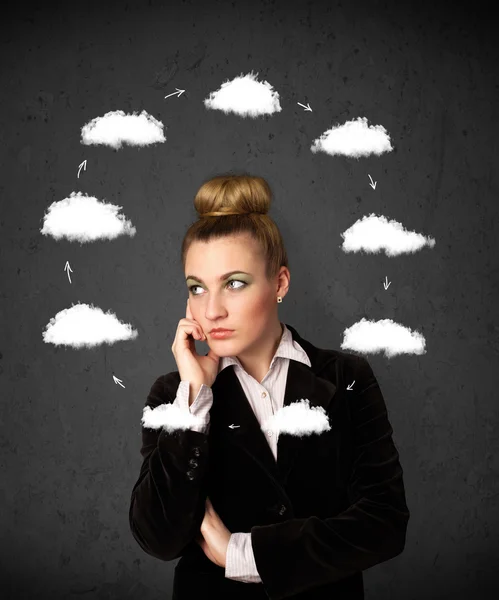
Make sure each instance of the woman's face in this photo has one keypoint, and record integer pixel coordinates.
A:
(244, 301)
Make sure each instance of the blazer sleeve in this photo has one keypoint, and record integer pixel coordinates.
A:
(167, 504)
(299, 554)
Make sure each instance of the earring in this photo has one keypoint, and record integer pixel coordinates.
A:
(279, 299)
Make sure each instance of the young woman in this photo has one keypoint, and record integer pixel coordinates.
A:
(264, 470)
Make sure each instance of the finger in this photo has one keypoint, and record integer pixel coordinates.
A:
(188, 313)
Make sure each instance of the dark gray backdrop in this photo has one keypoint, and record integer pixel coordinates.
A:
(70, 436)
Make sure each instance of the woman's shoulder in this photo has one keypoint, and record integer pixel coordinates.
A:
(344, 358)
(343, 365)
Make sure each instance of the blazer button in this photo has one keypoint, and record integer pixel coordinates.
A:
(190, 475)
(195, 451)
(193, 463)
(282, 510)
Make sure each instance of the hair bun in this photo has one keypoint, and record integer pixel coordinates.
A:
(230, 194)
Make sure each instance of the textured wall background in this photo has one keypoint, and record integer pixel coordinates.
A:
(70, 437)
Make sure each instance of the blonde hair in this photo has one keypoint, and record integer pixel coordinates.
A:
(231, 204)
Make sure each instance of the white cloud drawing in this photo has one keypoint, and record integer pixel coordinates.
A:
(374, 234)
(86, 326)
(245, 96)
(84, 218)
(116, 128)
(384, 335)
(355, 138)
(170, 417)
(298, 418)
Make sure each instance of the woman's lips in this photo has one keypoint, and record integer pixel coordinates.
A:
(220, 335)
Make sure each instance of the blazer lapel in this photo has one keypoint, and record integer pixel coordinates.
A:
(302, 383)
(234, 419)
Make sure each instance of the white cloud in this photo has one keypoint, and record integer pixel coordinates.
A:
(298, 419)
(83, 218)
(245, 96)
(374, 234)
(116, 128)
(384, 335)
(170, 417)
(355, 138)
(86, 326)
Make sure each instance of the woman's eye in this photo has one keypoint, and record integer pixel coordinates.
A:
(229, 282)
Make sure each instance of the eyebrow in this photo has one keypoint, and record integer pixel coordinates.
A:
(222, 277)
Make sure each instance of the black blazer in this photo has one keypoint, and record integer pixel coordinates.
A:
(331, 506)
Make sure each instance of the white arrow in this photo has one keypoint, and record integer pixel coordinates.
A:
(84, 165)
(232, 426)
(348, 386)
(68, 268)
(180, 92)
(306, 107)
(386, 285)
(373, 185)
(116, 380)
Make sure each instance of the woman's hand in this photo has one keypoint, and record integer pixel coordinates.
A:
(214, 537)
(192, 366)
